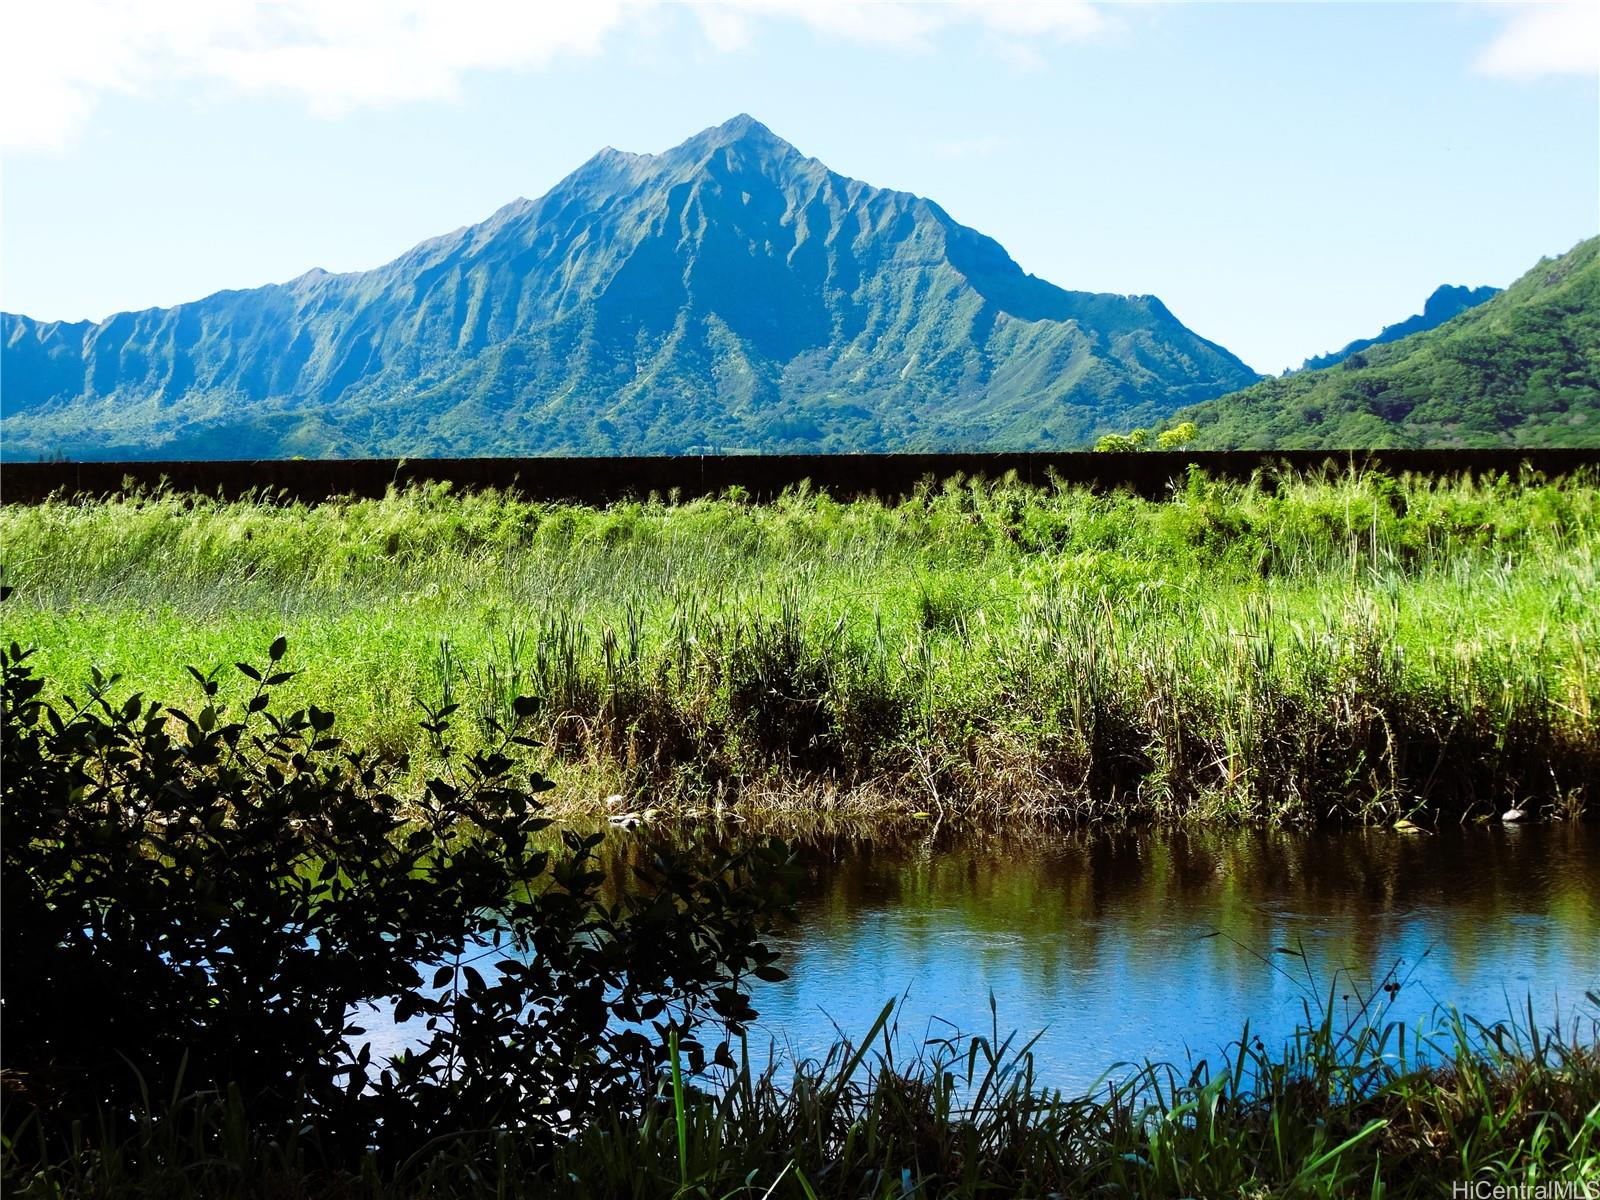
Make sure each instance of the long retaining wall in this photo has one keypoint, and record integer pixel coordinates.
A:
(597, 480)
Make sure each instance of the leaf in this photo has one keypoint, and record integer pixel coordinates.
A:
(248, 671)
(279, 645)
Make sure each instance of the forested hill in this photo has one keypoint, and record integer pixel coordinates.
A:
(730, 294)
(1522, 369)
(1446, 302)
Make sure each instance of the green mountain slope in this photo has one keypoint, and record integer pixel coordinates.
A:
(1521, 369)
(730, 293)
(1446, 302)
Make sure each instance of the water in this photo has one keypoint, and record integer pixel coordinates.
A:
(1161, 945)
(1118, 947)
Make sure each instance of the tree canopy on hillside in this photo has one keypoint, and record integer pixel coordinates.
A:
(1522, 369)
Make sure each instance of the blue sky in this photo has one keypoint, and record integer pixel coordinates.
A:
(1285, 176)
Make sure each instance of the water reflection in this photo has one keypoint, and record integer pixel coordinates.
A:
(1129, 945)
(1137, 944)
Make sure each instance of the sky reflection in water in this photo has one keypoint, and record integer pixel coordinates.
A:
(1160, 944)
(1104, 940)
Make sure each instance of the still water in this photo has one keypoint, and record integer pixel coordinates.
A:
(1126, 946)
(1161, 944)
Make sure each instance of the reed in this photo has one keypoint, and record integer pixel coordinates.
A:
(1291, 649)
(1372, 1108)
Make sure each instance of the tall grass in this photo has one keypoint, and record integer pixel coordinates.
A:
(1372, 1108)
(1293, 649)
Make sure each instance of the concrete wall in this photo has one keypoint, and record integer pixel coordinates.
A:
(597, 480)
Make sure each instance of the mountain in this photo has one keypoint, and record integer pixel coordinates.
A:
(1446, 302)
(1521, 369)
(730, 293)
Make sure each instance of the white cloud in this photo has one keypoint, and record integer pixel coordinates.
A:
(1544, 38)
(907, 26)
(58, 58)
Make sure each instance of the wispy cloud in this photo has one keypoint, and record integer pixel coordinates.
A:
(906, 26)
(1544, 38)
(59, 58)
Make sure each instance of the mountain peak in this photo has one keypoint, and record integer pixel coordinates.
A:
(1446, 302)
(1450, 299)
(1514, 370)
(730, 292)
(742, 131)
(745, 135)
(743, 127)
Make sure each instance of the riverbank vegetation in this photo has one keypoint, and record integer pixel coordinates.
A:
(203, 906)
(1294, 650)
(1334, 1113)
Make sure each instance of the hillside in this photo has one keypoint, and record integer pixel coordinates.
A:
(1446, 302)
(730, 293)
(1521, 369)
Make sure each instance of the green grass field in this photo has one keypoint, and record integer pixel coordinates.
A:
(1292, 650)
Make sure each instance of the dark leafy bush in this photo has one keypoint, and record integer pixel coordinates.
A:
(198, 902)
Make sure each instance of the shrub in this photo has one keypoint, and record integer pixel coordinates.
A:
(203, 904)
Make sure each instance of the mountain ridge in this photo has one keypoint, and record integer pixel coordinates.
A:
(728, 292)
(1447, 301)
(1520, 369)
